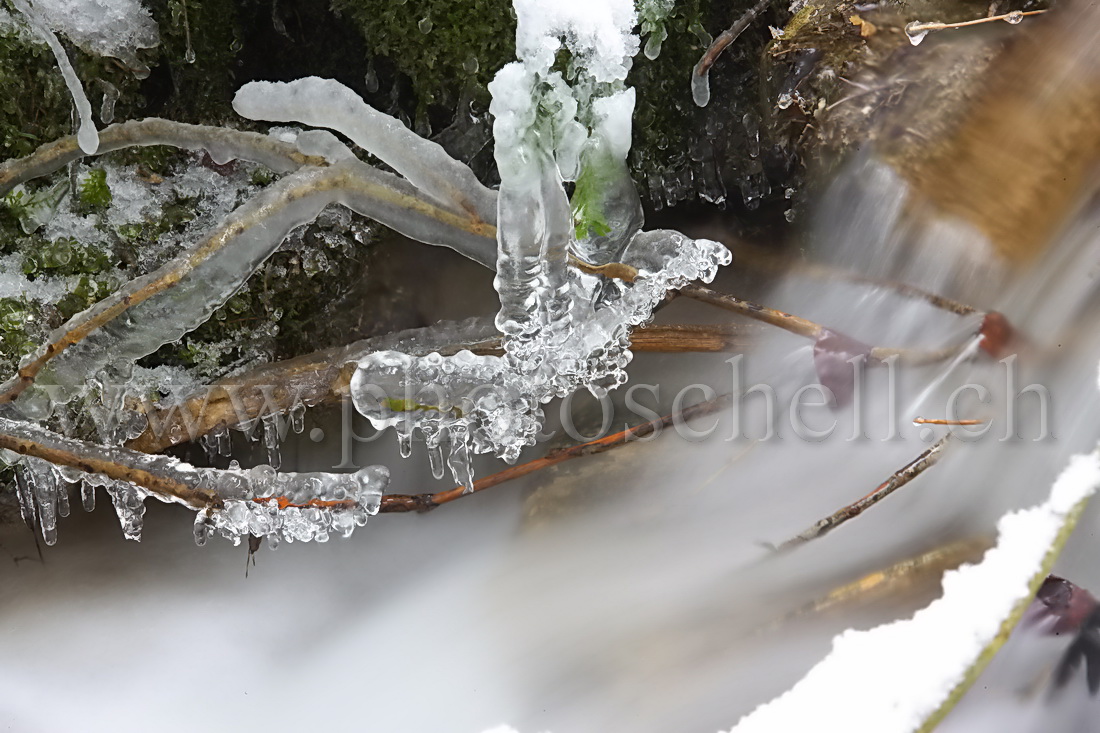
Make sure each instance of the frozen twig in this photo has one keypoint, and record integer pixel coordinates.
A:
(425, 502)
(235, 249)
(899, 478)
(328, 103)
(120, 464)
(222, 144)
(323, 377)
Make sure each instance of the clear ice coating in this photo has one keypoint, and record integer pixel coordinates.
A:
(87, 136)
(294, 506)
(700, 87)
(563, 329)
(259, 501)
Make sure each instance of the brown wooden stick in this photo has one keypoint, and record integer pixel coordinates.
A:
(424, 502)
(898, 479)
(804, 327)
(756, 257)
(728, 36)
(786, 321)
(324, 377)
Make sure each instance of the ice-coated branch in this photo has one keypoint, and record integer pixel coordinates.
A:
(157, 474)
(313, 379)
(398, 503)
(328, 103)
(235, 502)
(222, 143)
(700, 75)
(162, 306)
(324, 377)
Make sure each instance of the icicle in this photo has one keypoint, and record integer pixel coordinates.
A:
(298, 417)
(25, 490)
(203, 527)
(87, 136)
(110, 97)
(433, 437)
(189, 54)
(43, 483)
(404, 437)
(62, 494)
(271, 439)
(700, 86)
(87, 495)
(459, 460)
(209, 444)
(129, 501)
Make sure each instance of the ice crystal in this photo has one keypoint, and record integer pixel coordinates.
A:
(563, 329)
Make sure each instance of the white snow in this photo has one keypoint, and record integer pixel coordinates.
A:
(114, 28)
(891, 678)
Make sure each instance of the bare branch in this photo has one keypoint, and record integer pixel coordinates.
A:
(728, 36)
(898, 479)
(424, 502)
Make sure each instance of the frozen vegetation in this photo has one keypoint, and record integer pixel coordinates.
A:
(565, 326)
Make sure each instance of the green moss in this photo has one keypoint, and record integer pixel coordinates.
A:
(34, 103)
(94, 193)
(438, 46)
(18, 335)
(201, 83)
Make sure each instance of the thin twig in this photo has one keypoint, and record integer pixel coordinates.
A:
(916, 27)
(425, 502)
(728, 36)
(279, 156)
(898, 479)
(786, 321)
(804, 327)
(754, 256)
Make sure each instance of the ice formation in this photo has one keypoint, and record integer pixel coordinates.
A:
(563, 329)
(87, 135)
(257, 501)
(932, 652)
(116, 28)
